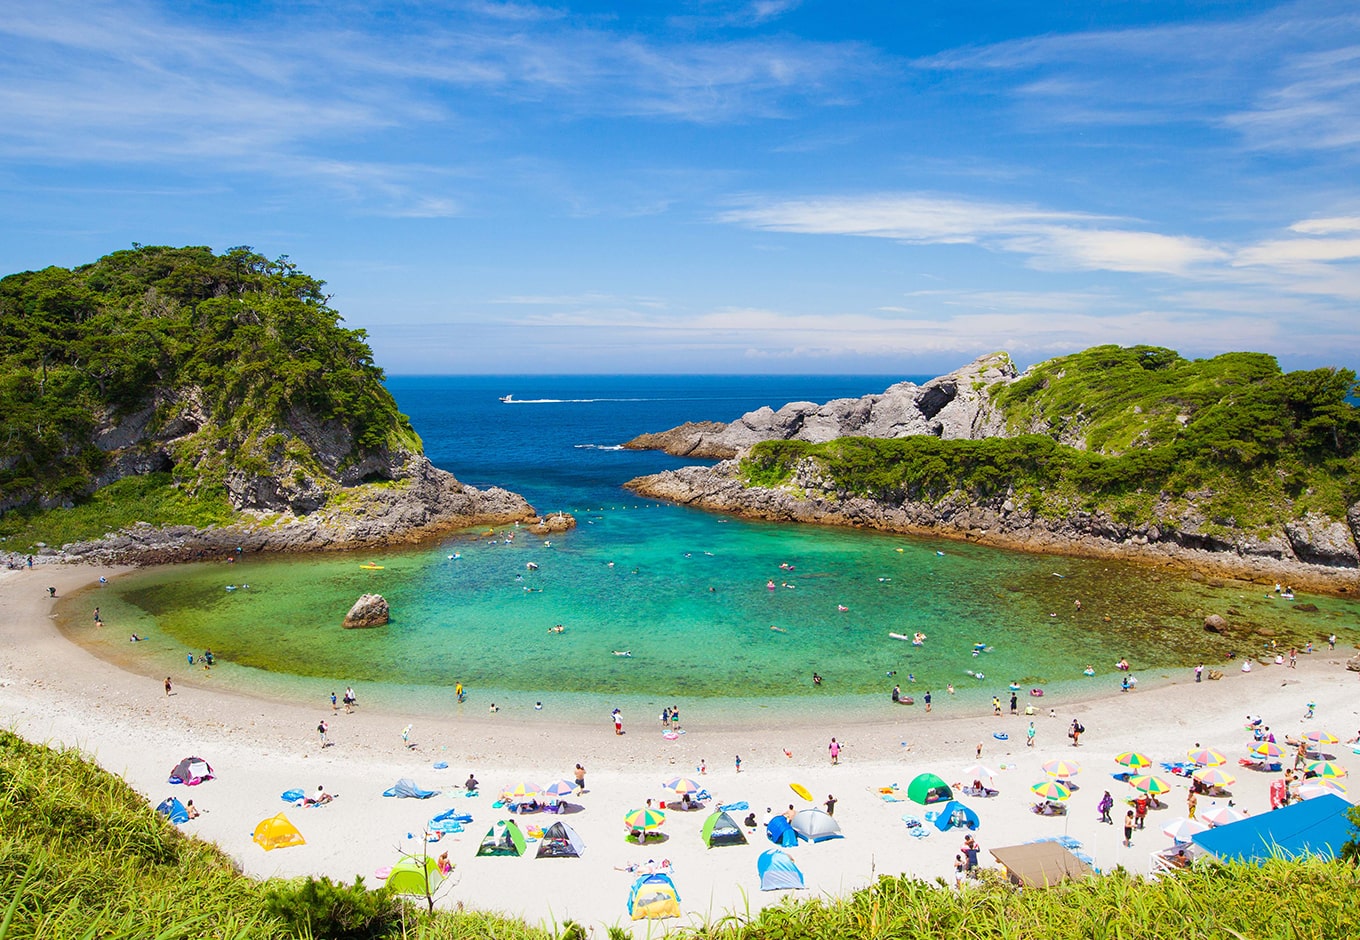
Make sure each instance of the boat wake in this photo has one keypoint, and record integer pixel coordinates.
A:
(598, 446)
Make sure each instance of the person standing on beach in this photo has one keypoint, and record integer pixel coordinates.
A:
(835, 749)
(1128, 829)
(1105, 805)
(1331, 642)
(996, 705)
(167, 686)
(959, 866)
(1140, 808)
(321, 729)
(830, 805)
(1029, 735)
(927, 698)
(580, 780)
(1015, 710)
(617, 716)
(970, 850)
(335, 705)
(98, 622)
(738, 763)
(1075, 732)
(1191, 803)
(1199, 672)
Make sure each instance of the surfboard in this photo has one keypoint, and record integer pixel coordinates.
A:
(801, 790)
(371, 567)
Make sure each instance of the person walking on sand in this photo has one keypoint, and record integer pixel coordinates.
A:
(1191, 803)
(970, 850)
(335, 705)
(978, 753)
(830, 805)
(1128, 829)
(927, 699)
(580, 780)
(1029, 735)
(1015, 710)
(835, 749)
(738, 763)
(1105, 805)
(1075, 732)
(321, 728)
(1140, 808)
(617, 716)
(167, 687)
(1199, 672)
(996, 705)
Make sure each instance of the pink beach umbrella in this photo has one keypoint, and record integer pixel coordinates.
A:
(1214, 777)
(1221, 815)
(1320, 737)
(1061, 769)
(1183, 830)
(1321, 788)
(1207, 757)
(1265, 751)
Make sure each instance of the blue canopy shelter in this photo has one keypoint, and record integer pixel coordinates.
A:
(1312, 827)
(955, 813)
(173, 809)
(777, 871)
(780, 832)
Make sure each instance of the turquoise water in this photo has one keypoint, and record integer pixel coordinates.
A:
(686, 594)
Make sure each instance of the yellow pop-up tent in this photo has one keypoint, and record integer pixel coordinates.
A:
(277, 832)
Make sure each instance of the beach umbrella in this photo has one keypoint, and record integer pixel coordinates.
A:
(1326, 769)
(1221, 815)
(1207, 757)
(1062, 769)
(1265, 750)
(978, 771)
(1133, 760)
(1214, 777)
(1052, 790)
(645, 819)
(1183, 830)
(560, 788)
(683, 785)
(1320, 737)
(1320, 788)
(520, 792)
(1150, 785)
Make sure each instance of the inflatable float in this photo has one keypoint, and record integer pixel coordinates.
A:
(371, 567)
(802, 791)
(899, 636)
(1037, 693)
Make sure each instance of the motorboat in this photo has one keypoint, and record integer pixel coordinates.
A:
(507, 399)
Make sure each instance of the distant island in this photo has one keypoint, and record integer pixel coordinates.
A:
(1226, 465)
(167, 403)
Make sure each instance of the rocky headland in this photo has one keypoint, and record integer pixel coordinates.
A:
(1306, 547)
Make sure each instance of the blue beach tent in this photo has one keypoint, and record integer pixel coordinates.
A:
(406, 787)
(955, 813)
(778, 831)
(174, 809)
(777, 871)
(1312, 827)
(653, 896)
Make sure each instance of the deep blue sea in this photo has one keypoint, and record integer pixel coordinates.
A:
(705, 607)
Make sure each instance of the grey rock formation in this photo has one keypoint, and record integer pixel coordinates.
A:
(1322, 541)
(370, 610)
(1214, 623)
(1353, 664)
(956, 405)
(553, 523)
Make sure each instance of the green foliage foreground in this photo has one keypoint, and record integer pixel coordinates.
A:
(83, 856)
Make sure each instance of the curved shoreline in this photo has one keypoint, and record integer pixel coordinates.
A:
(54, 691)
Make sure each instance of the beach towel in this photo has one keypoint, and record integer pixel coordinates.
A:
(733, 807)
(292, 796)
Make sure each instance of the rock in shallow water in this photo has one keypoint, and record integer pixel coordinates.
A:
(370, 610)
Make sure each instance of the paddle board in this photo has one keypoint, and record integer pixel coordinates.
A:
(801, 790)
(372, 567)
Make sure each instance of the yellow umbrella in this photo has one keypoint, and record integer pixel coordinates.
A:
(1214, 777)
(1326, 769)
(520, 792)
(643, 818)
(1150, 785)
(1062, 769)
(1321, 737)
(1052, 790)
(1133, 760)
(683, 785)
(1265, 750)
(1207, 757)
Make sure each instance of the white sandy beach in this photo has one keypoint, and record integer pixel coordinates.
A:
(55, 692)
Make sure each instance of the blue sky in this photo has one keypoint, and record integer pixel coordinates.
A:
(711, 186)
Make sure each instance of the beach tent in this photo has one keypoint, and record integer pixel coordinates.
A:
(560, 841)
(406, 787)
(415, 876)
(174, 809)
(777, 871)
(721, 829)
(815, 826)
(277, 832)
(778, 831)
(1309, 827)
(653, 896)
(955, 813)
(191, 772)
(1040, 864)
(927, 789)
(504, 838)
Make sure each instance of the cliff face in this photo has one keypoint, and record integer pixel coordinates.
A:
(952, 406)
(1321, 557)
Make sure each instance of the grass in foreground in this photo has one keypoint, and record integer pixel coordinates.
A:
(83, 856)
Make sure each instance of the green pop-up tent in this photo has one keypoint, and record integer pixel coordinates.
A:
(721, 829)
(504, 838)
(415, 876)
(927, 789)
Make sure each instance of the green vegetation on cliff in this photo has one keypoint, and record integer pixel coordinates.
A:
(82, 856)
(1139, 433)
(187, 362)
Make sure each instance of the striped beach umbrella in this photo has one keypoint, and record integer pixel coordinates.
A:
(645, 819)
(683, 785)
(560, 788)
(978, 771)
(1327, 770)
(1150, 785)
(1133, 760)
(1214, 777)
(1265, 750)
(1320, 737)
(1221, 815)
(1183, 830)
(520, 792)
(1320, 787)
(1052, 790)
(1207, 757)
(1061, 769)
